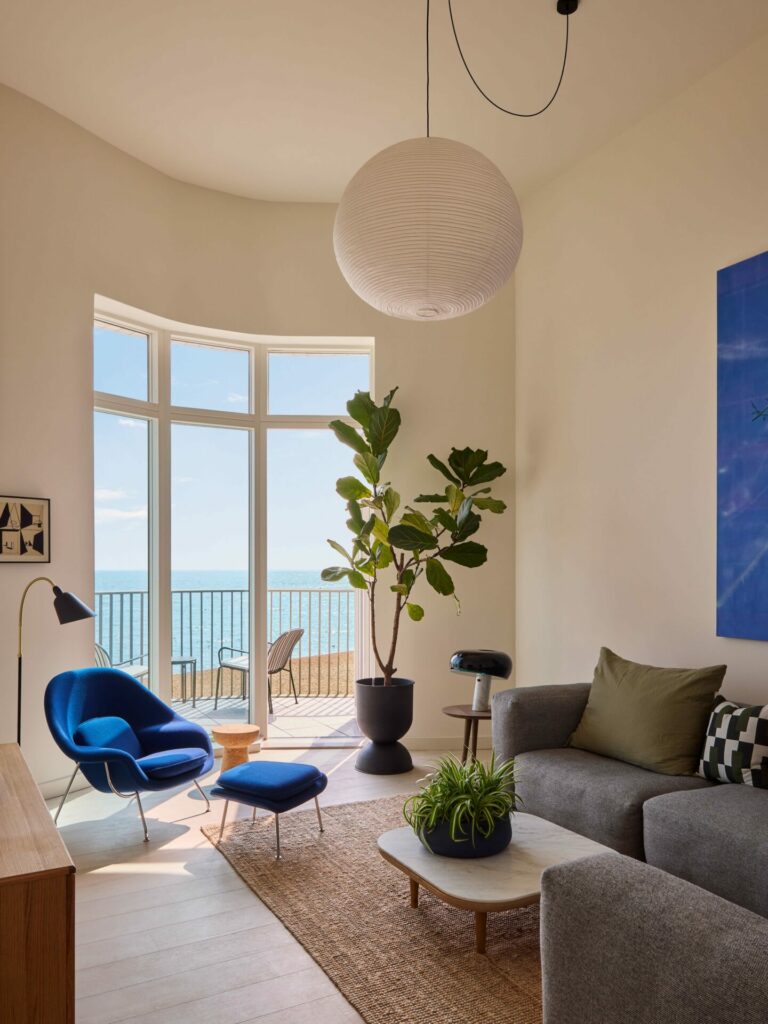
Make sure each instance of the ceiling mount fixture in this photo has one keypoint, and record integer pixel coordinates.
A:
(430, 229)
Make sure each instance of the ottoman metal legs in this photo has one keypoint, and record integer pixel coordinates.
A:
(277, 824)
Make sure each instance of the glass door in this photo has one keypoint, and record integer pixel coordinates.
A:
(121, 529)
(210, 583)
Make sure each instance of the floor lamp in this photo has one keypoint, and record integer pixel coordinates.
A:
(68, 608)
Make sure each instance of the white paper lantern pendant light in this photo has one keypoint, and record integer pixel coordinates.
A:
(430, 229)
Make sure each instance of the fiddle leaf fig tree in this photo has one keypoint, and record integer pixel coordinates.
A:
(395, 545)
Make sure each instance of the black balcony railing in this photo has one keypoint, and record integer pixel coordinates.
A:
(205, 620)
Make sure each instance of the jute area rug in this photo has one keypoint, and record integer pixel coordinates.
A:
(350, 910)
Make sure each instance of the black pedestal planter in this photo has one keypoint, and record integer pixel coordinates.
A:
(384, 714)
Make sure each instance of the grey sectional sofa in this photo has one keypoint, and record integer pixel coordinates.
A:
(626, 942)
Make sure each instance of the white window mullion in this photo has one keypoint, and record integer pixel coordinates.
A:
(161, 577)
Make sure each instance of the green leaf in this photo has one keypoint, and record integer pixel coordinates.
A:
(358, 581)
(355, 521)
(361, 407)
(388, 397)
(464, 462)
(408, 577)
(348, 435)
(384, 556)
(391, 502)
(430, 499)
(410, 538)
(380, 530)
(351, 488)
(385, 423)
(334, 574)
(464, 510)
(417, 519)
(438, 578)
(399, 588)
(491, 505)
(486, 473)
(470, 525)
(446, 520)
(455, 497)
(470, 554)
(341, 551)
(415, 611)
(368, 465)
(442, 468)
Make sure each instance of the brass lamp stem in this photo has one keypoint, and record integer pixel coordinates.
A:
(37, 579)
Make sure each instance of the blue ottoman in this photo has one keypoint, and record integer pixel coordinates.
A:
(272, 785)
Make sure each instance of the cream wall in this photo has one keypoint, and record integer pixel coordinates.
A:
(78, 217)
(616, 386)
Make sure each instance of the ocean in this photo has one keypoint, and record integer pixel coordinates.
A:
(210, 609)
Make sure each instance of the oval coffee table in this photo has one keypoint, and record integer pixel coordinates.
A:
(487, 884)
(235, 739)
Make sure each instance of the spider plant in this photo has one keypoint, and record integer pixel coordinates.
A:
(470, 797)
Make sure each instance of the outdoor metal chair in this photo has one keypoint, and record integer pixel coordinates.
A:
(279, 656)
(103, 660)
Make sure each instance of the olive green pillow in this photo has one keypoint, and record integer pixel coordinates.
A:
(652, 717)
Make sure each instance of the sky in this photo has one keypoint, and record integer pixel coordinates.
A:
(209, 465)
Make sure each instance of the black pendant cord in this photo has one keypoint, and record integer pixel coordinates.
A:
(427, 68)
(504, 110)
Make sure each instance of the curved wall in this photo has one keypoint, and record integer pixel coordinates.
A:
(77, 218)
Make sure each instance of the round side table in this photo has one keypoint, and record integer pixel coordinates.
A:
(235, 739)
(471, 720)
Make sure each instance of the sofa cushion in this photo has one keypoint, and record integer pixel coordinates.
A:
(167, 764)
(108, 731)
(717, 839)
(595, 796)
(652, 717)
(736, 745)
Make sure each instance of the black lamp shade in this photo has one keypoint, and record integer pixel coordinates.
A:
(69, 608)
(482, 663)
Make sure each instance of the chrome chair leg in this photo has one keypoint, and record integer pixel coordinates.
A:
(223, 819)
(319, 815)
(143, 819)
(269, 695)
(218, 685)
(203, 794)
(66, 794)
(293, 684)
(277, 836)
(253, 816)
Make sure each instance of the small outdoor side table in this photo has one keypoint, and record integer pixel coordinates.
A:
(235, 739)
(186, 662)
(471, 720)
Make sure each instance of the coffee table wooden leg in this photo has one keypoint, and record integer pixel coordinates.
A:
(414, 892)
(465, 747)
(481, 920)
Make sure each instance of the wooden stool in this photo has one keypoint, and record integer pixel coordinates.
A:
(471, 719)
(235, 739)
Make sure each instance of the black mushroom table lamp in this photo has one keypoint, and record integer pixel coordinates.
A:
(485, 665)
(68, 608)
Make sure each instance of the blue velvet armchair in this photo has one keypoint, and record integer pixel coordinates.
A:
(122, 737)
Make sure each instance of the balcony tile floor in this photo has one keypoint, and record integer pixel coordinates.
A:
(167, 931)
(325, 718)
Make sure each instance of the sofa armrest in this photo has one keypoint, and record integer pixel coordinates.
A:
(625, 943)
(536, 717)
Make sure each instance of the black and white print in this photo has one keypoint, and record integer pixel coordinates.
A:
(24, 529)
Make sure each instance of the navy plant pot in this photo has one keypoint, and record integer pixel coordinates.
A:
(438, 840)
(384, 714)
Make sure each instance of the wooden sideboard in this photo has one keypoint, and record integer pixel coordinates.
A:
(37, 904)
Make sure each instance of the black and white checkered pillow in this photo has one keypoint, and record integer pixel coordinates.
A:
(736, 746)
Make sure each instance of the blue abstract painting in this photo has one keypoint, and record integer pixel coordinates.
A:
(742, 449)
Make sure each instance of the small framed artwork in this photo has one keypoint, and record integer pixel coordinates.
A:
(25, 529)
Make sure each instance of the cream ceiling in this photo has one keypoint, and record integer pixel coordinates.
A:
(284, 99)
